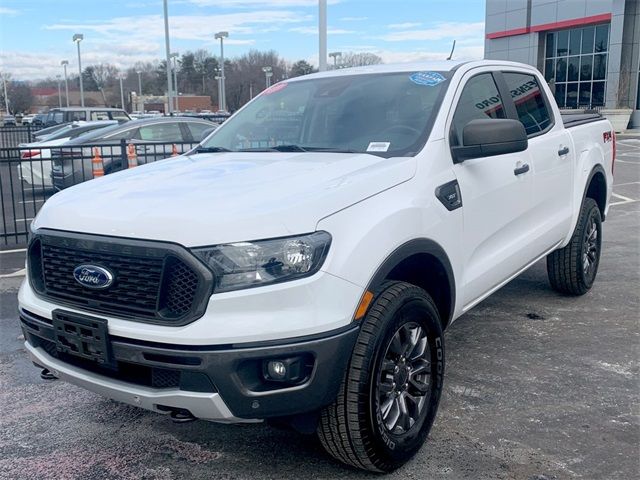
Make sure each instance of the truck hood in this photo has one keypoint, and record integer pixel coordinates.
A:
(215, 198)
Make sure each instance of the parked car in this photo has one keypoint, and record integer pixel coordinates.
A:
(302, 264)
(57, 116)
(151, 136)
(35, 169)
(8, 121)
(27, 119)
(39, 119)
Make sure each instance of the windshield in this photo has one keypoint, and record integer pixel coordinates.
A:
(383, 114)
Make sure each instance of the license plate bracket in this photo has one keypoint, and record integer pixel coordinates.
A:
(83, 337)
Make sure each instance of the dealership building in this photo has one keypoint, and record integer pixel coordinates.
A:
(588, 50)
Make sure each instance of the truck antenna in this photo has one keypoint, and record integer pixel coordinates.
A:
(452, 49)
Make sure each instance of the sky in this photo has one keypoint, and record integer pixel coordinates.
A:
(35, 35)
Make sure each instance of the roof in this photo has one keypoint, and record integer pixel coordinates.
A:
(436, 66)
(75, 109)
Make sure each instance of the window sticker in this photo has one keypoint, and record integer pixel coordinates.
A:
(276, 88)
(430, 79)
(378, 146)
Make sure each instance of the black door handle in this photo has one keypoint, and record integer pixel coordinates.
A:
(522, 169)
(563, 151)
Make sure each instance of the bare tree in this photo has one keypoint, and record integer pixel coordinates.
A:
(361, 59)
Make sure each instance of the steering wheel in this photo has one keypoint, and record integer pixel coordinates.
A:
(401, 129)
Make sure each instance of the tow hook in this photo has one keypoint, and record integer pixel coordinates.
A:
(45, 374)
(181, 416)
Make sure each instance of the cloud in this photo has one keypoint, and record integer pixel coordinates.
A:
(314, 31)
(259, 3)
(183, 27)
(439, 31)
(353, 19)
(403, 26)
(9, 11)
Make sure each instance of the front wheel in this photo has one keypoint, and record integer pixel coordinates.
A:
(572, 269)
(390, 393)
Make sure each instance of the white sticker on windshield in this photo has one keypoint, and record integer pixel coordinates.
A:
(378, 146)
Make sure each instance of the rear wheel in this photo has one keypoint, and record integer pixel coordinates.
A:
(390, 393)
(572, 269)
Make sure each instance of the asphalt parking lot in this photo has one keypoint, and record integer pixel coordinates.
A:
(538, 387)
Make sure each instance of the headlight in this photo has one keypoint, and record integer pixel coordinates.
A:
(264, 262)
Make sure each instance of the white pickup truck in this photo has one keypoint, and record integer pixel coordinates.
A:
(302, 263)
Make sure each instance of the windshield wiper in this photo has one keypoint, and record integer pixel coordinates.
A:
(277, 148)
(330, 150)
(210, 150)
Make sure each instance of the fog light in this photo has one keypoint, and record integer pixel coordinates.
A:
(277, 370)
(289, 370)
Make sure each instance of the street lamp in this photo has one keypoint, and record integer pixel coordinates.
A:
(223, 99)
(121, 91)
(335, 56)
(6, 97)
(64, 64)
(218, 78)
(175, 55)
(58, 77)
(268, 73)
(322, 34)
(78, 37)
(168, 50)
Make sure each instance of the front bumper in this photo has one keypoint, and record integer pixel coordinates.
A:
(221, 383)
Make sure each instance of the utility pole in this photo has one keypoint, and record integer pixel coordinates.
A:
(168, 53)
(322, 31)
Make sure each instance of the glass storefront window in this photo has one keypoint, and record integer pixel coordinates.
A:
(576, 60)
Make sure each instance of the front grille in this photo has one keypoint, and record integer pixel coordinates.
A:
(163, 284)
(135, 290)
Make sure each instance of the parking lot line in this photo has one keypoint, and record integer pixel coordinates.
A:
(623, 198)
(18, 273)
(15, 250)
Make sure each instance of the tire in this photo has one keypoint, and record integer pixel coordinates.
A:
(358, 429)
(572, 269)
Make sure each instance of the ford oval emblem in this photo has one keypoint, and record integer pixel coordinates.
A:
(92, 276)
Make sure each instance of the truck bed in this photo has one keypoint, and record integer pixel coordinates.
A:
(574, 119)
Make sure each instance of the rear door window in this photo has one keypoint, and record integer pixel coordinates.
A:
(197, 129)
(76, 116)
(119, 115)
(100, 115)
(161, 132)
(480, 99)
(533, 110)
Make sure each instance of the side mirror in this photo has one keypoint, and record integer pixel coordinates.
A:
(489, 137)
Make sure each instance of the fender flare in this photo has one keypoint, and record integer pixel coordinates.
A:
(598, 168)
(408, 249)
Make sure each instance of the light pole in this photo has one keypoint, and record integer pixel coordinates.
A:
(268, 73)
(168, 53)
(223, 100)
(322, 32)
(59, 91)
(175, 55)
(121, 92)
(78, 37)
(64, 64)
(335, 56)
(6, 97)
(139, 82)
(218, 78)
